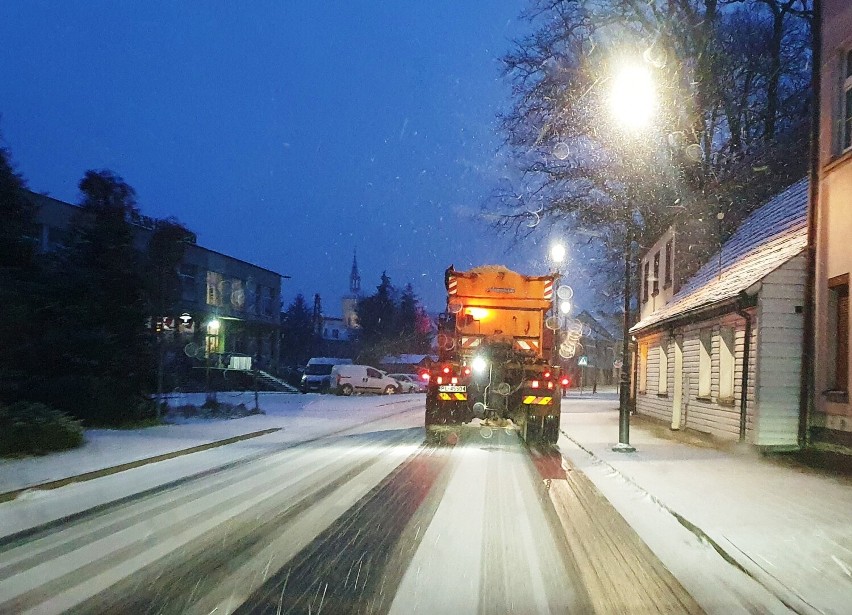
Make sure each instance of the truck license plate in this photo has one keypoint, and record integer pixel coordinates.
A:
(452, 388)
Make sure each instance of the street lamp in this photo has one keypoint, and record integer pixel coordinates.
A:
(632, 103)
(557, 255)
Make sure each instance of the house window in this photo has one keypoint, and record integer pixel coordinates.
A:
(187, 274)
(643, 368)
(704, 363)
(656, 274)
(214, 288)
(847, 102)
(645, 281)
(238, 294)
(838, 329)
(663, 380)
(726, 363)
(268, 301)
(668, 274)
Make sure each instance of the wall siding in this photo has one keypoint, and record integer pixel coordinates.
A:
(779, 355)
(704, 415)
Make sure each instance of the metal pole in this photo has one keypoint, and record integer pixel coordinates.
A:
(623, 445)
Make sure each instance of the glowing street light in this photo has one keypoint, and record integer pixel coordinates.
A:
(565, 307)
(557, 253)
(633, 97)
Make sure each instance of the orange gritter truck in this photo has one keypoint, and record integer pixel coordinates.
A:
(494, 352)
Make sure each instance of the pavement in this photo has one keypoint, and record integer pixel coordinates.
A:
(785, 526)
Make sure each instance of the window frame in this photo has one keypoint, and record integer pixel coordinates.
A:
(646, 269)
(663, 369)
(643, 368)
(656, 290)
(668, 264)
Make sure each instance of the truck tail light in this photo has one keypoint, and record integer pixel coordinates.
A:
(550, 384)
(565, 381)
(454, 380)
(440, 380)
(446, 370)
(425, 376)
(547, 374)
(534, 384)
(467, 371)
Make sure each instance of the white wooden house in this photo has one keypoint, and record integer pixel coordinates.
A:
(723, 356)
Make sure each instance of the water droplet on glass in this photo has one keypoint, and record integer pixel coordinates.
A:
(565, 292)
(561, 150)
(694, 153)
(655, 56)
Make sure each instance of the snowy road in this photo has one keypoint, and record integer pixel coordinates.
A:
(374, 519)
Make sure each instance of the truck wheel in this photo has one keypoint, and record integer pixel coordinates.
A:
(550, 433)
(346, 390)
(532, 430)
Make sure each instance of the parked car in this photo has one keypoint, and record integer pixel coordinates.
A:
(348, 379)
(409, 383)
(317, 376)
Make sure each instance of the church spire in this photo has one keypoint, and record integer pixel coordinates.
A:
(355, 277)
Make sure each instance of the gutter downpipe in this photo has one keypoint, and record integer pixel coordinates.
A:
(744, 379)
(806, 386)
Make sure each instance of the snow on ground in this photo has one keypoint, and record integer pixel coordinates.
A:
(300, 416)
(789, 528)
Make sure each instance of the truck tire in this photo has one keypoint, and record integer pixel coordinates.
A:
(550, 431)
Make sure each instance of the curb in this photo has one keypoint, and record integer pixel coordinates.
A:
(787, 597)
(87, 476)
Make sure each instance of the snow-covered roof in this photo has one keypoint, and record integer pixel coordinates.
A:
(768, 238)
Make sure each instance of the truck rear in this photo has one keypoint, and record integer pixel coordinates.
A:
(494, 354)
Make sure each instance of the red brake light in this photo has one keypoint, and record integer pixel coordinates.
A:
(440, 380)
(467, 371)
(446, 370)
(454, 380)
(565, 382)
(550, 384)
(547, 374)
(534, 384)
(425, 376)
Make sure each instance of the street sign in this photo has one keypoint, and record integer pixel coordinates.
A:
(583, 361)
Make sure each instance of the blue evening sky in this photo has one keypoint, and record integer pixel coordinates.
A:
(283, 133)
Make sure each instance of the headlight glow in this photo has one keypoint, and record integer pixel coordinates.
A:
(479, 365)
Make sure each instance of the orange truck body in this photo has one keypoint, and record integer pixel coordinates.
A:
(495, 302)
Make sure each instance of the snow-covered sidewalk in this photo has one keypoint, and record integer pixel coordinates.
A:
(299, 417)
(789, 529)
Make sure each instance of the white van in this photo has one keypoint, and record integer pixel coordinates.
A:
(348, 379)
(318, 373)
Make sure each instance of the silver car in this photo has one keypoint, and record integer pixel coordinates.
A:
(409, 383)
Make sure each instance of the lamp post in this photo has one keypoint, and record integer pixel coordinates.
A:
(632, 103)
(557, 255)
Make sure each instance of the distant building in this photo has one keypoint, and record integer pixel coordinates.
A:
(723, 355)
(832, 413)
(338, 333)
(227, 306)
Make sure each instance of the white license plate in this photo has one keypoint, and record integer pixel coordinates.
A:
(452, 388)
